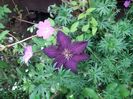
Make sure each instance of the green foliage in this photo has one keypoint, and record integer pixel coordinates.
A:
(3, 35)
(106, 75)
(4, 10)
(48, 81)
(121, 91)
(111, 44)
(63, 14)
(88, 92)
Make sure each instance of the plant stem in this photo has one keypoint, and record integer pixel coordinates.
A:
(21, 41)
(24, 21)
(15, 38)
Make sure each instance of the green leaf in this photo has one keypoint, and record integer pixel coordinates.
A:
(2, 26)
(80, 38)
(6, 10)
(51, 40)
(88, 92)
(39, 41)
(74, 3)
(94, 30)
(81, 16)
(3, 34)
(35, 48)
(51, 21)
(112, 86)
(70, 96)
(3, 64)
(66, 30)
(85, 28)
(124, 92)
(31, 28)
(90, 10)
(94, 22)
(74, 26)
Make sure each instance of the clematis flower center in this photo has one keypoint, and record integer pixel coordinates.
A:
(67, 54)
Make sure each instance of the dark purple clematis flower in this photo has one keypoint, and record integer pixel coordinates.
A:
(67, 53)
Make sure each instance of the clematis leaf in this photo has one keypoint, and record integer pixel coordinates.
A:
(80, 37)
(74, 26)
(85, 28)
(94, 30)
(94, 22)
(81, 16)
(90, 10)
(66, 30)
(74, 3)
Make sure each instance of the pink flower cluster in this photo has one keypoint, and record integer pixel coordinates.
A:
(27, 53)
(45, 30)
(127, 3)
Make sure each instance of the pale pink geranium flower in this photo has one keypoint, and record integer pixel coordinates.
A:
(45, 29)
(127, 3)
(27, 53)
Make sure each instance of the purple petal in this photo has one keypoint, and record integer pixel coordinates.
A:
(80, 57)
(72, 65)
(63, 40)
(78, 47)
(59, 60)
(51, 51)
(127, 3)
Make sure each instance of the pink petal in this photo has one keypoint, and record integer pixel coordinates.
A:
(47, 23)
(127, 3)
(78, 47)
(48, 33)
(63, 40)
(27, 53)
(44, 29)
(40, 24)
(40, 33)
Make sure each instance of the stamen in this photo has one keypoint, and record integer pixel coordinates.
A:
(67, 54)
